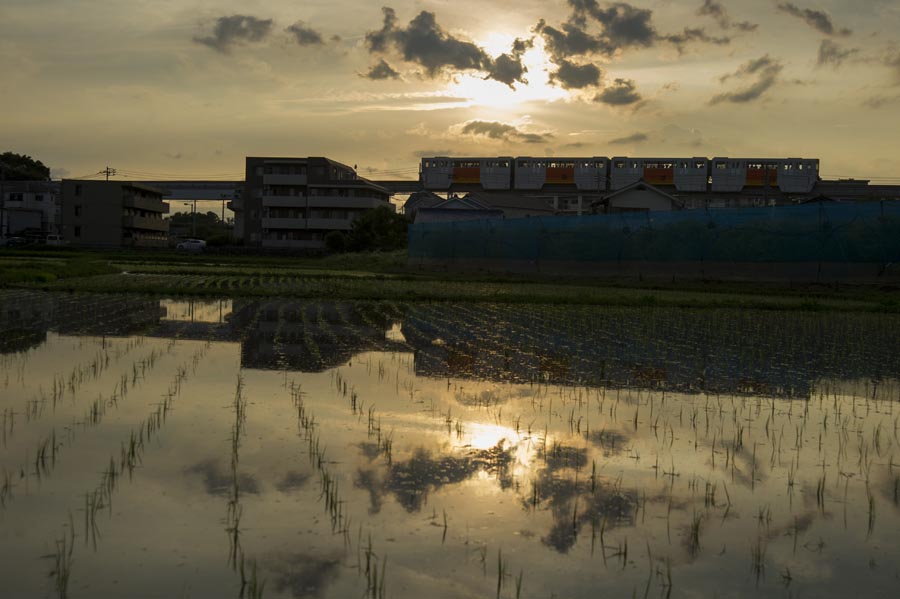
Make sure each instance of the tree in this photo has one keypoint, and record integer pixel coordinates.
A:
(20, 167)
(379, 229)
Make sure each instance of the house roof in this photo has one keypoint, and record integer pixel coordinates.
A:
(641, 185)
(436, 214)
(499, 199)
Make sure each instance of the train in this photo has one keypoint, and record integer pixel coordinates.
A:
(598, 173)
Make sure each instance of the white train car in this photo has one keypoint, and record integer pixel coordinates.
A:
(685, 174)
(441, 172)
(789, 175)
(585, 174)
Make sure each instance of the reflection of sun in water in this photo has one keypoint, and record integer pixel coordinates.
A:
(488, 92)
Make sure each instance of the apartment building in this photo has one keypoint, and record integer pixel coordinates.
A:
(113, 214)
(28, 206)
(294, 202)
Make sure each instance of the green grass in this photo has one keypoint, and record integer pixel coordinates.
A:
(386, 276)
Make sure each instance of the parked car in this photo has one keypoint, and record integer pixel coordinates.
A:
(12, 242)
(192, 245)
(55, 240)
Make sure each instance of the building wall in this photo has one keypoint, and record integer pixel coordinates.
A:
(29, 205)
(112, 214)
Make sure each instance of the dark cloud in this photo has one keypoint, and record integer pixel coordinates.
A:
(833, 54)
(876, 102)
(694, 34)
(892, 61)
(634, 138)
(305, 36)
(817, 19)
(569, 40)
(715, 10)
(765, 70)
(381, 70)
(508, 68)
(621, 26)
(503, 131)
(236, 29)
(425, 43)
(622, 92)
(575, 76)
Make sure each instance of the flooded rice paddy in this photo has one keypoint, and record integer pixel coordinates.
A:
(156, 448)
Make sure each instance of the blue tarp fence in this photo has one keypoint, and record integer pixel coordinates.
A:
(820, 232)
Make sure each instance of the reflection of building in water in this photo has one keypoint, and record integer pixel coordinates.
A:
(772, 353)
(212, 311)
(719, 351)
(26, 316)
(312, 336)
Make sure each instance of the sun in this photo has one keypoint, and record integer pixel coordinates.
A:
(487, 92)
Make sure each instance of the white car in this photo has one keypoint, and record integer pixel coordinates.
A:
(192, 245)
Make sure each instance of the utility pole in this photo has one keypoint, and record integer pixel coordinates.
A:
(109, 171)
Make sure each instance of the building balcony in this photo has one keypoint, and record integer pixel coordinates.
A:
(329, 224)
(236, 205)
(148, 204)
(145, 222)
(284, 179)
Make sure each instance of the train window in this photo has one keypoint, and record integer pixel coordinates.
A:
(699, 164)
(720, 166)
(619, 164)
(599, 165)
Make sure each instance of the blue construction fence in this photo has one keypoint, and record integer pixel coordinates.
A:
(834, 232)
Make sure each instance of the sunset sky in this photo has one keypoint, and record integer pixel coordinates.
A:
(188, 88)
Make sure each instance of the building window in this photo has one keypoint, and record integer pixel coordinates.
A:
(77, 210)
(77, 231)
(78, 190)
(39, 197)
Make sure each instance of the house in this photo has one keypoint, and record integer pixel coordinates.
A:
(457, 209)
(113, 214)
(420, 199)
(293, 203)
(514, 205)
(639, 196)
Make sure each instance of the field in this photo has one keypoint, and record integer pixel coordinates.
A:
(269, 447)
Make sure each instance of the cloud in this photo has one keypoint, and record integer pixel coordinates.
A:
(568, 41)
(892, 61)
(634, 138)
(833, 54)
(381, 70)
(876, 102)
(425, 43)
(621, 26)
(574, 76)
(622, 92)
(503, 132)
(694, 34)
(305, 36)
(817, 19)
(765, 70)
(715, 10)
(236, 29)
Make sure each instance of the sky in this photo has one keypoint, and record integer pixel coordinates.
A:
(162, 89)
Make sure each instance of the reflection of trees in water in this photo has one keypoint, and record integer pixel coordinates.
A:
(411, 481)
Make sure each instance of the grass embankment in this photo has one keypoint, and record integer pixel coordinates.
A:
(387, 277)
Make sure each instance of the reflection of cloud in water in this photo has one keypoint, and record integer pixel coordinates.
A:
(412, 480)
(577, 500)
(217, 481)
(611, 442)
(302, 575)
(292, 481)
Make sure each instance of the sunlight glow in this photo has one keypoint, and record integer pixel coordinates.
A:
(487, 92)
